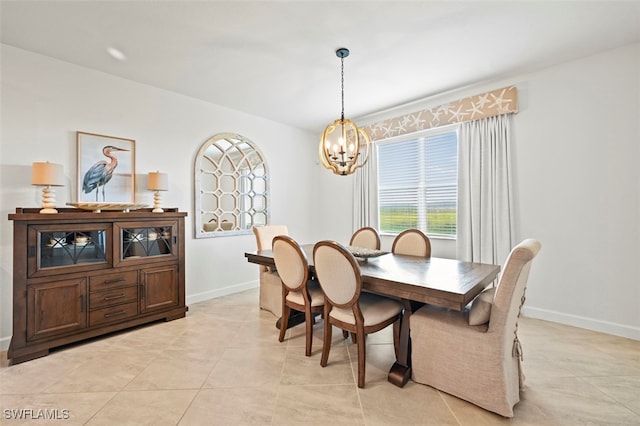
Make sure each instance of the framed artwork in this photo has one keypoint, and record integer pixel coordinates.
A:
(105, 169)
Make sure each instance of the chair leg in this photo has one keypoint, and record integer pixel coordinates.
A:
(362, 356)
(326, 345)
(345, 333)
(284, 323)
(309, 330)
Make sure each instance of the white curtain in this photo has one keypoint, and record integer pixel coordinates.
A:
(365, 193)
(485, 213)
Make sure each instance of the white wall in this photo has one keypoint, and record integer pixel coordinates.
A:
(45, 101)
(577, 156)
(577, 187)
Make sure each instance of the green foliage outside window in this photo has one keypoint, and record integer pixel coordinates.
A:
(441, 222)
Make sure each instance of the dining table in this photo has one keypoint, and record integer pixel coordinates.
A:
(414, 281)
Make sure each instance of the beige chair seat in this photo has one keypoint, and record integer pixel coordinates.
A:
(315, 292)
(443, 317)
(375, 309)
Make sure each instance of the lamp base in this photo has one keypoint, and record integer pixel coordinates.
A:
(48, 201)
(156, 203)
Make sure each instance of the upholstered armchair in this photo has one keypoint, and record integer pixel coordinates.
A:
(270, 283)
(475, 354)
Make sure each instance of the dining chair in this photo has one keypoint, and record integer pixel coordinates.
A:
(366, 237)
(299, 292)
(346, 306)
(475, 354)
(270, 283)
(412, 242)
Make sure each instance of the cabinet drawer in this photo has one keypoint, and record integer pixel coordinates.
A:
(117, 296)
(108, 281)
(111, 314)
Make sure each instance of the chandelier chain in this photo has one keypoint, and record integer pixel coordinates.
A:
(342, 86)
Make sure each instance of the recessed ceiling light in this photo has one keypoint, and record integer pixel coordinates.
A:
(116, 53)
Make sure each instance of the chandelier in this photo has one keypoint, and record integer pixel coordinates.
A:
(342, 141)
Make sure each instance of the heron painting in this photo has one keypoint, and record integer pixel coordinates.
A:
(105, 169)
(99, 175)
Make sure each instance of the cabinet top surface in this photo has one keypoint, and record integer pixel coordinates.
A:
(33, 214)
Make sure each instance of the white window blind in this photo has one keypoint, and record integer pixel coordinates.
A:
(417, 184)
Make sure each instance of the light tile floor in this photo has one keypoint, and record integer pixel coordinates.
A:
(223, 365)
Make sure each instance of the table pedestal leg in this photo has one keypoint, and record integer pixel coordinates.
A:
(295, 318)
(400, 372)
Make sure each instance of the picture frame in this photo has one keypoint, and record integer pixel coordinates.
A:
(105, 169)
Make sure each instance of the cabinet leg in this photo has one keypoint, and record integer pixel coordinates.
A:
(28, 357)
(174, 317)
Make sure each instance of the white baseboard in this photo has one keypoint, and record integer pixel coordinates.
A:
(4, 343)
(219, 292)
(615, 329)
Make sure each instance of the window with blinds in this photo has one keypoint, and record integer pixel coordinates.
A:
(417, 184)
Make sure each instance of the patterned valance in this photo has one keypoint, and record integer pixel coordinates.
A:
(489, 104)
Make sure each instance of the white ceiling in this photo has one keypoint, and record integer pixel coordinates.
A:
(276, 59)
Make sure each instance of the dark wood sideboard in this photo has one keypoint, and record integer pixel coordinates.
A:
(79, 274)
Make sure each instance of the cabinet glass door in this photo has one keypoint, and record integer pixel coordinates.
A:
(144, 241)
(53, 248)
(65, 248)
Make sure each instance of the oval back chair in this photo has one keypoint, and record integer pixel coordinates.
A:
(298, 291)
(366, 237)
(346, 306)
(412, 242)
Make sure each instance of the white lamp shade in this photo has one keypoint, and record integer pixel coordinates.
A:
(47, 174)
(157, 181)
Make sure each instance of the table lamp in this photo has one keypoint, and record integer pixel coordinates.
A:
(157, 182)
(47, 175)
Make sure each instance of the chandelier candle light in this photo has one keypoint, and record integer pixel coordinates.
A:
(342, 140)
(47, 175)
(157, 182)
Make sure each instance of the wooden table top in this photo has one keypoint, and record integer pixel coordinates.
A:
(444, 282)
